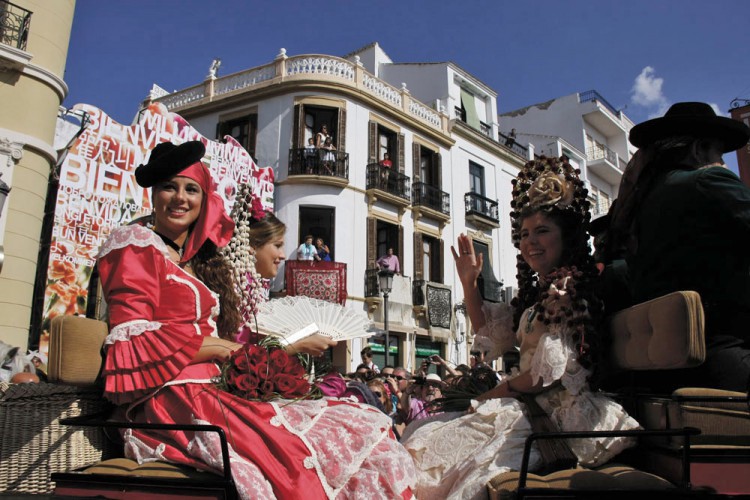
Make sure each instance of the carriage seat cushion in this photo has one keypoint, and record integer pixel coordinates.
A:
(663, 333)
(75, 350)
(606, 478)
(127, 467)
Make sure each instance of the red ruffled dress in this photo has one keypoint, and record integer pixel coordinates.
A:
(323, 448)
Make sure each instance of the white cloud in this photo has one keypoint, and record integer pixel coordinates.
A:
(718, 110)
(647, 92)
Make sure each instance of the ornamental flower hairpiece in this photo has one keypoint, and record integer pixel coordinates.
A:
(550, 189)
(547, 183)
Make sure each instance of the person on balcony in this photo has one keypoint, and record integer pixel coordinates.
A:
(386, 165)
(682, 222)
(328, 156)
(320, 137)
(309, 155)
(307, 250)
(324, 253)
(389, 262)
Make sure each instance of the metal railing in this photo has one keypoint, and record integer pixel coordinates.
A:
(14, 25)
(485, 128)
(593, 95)
(510, 143)
(602, 152)
(303, 161)
(388, 180)
(372, 282)
(424, 195)
(478, 204)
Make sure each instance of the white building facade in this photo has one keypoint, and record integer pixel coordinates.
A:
(587, 129)
(449, 175)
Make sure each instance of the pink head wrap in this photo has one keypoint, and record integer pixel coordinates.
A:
(213, 222)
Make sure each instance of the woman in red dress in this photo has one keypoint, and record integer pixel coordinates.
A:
(165, 287)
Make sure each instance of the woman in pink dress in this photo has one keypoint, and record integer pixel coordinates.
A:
(174, 314)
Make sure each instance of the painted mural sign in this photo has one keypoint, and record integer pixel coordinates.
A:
(98, 192)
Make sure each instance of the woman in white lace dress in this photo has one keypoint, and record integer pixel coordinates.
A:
(554, 320)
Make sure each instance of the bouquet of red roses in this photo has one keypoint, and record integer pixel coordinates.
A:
(264, 372)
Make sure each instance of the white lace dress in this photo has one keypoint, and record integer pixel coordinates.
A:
(455, 457)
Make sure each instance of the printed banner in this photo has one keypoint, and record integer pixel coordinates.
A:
(98, 192)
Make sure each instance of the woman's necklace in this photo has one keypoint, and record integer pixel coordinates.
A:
(170, 243)
(174, 246)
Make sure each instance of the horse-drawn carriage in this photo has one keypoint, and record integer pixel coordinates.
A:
(695, 442)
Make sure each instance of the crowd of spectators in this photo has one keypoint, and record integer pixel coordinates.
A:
(405, 396)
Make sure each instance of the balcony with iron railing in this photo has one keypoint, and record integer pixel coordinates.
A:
(14, 25)
(510, 143)
(481, 211)
(321, 166)
(431, 201)
(389, 184)
(604, 162)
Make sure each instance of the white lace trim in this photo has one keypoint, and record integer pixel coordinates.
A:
(124, 331)
(312, 461)
(249, 480)
(135, 235)
(549, 360)
(137, 450)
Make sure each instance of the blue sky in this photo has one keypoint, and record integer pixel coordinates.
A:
(641, 55)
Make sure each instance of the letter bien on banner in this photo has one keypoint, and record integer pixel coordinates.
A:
(98, 191)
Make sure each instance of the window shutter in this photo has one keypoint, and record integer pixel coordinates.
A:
(372, 242)
(442, 260)
(437, 165)
(401, 248)
(372, 145)
(298, 132)
(418, 257)
(341, 144)
(415, 162)
(400, 153)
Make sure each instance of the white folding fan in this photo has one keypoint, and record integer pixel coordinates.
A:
(294, 318)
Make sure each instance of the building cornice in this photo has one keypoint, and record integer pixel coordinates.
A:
(27, 141)
(16, 60)
(297, 86)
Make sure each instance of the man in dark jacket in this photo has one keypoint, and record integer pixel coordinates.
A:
(683, 220)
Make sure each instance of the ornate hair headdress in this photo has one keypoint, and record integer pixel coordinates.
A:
(253, 288)
(548, 183)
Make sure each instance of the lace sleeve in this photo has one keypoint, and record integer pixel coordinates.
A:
(555, 356)
(496, 336)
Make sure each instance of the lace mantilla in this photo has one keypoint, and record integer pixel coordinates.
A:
(125, 331)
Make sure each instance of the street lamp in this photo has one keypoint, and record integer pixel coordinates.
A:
(385, 278)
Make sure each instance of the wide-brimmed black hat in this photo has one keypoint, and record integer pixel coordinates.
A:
(168, 160)
(696, 119)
